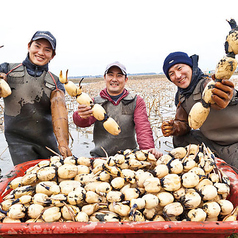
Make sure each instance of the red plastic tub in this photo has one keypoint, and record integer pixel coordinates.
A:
(119, 230)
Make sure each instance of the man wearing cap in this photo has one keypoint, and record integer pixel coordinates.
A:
(220, 130)
(129, 111)
(35, 115)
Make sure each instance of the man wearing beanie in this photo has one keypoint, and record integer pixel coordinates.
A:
(220, 130)
(35, 114)
(126, 108)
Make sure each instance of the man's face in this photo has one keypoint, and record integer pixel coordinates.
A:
(181, 75)
(115, 81)
(40, 52)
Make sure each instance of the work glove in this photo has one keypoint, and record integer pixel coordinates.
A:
(222, 94)
(175, 128)
(168, 128)
(178, 126)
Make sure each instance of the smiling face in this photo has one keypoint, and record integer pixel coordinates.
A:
(180, 75)
(40, 52)
(115, 81)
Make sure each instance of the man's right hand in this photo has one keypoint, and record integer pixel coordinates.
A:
(84, 111)
(3, 76)
(167, 128)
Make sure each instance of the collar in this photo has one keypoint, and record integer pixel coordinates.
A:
(33, 69)
(196, 77)
(104, 94)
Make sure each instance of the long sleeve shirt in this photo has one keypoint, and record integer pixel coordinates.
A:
(143, 129)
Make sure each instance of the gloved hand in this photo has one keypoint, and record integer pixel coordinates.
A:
(167, 128)
(179, 126)
(222, 94)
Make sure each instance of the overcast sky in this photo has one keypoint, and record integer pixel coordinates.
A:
(140, 34)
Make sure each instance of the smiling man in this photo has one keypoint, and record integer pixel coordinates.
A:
(220, 130)
(37, 97)
(129, 111)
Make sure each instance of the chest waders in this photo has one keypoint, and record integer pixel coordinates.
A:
(123, 114)
(27, 115)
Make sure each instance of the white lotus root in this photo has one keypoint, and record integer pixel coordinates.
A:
(82, 98)
(5, 89)
(113, 189)
(224, 70)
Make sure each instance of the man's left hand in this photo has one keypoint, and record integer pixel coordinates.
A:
(155, 152)
(65, 151)
(222, 94)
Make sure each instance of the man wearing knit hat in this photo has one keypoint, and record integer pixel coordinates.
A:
(220, 130)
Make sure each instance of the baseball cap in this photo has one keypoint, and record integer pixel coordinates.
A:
(119, 65)
(45, 35)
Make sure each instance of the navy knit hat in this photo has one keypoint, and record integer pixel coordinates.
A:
(176, 58)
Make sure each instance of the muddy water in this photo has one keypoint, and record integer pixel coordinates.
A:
(5, 159)
(81, 145)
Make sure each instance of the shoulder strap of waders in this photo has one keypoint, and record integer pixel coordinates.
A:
(14, 68)
(53, 80)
